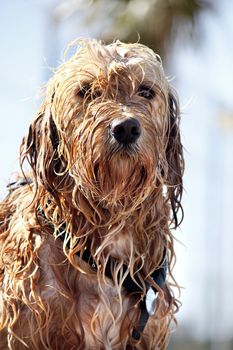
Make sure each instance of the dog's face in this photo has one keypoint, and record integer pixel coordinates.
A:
(109, 123)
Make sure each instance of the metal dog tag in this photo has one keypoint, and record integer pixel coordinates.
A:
(151, 297)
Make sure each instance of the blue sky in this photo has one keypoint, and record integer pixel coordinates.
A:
(204, 75)
(21, 73)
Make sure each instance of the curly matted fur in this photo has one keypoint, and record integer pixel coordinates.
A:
(121, 198)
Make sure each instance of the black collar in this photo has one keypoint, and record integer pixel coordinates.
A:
(131, 285)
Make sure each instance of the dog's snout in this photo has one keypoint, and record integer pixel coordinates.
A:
(126, 131)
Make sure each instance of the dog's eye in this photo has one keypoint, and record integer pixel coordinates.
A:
(86, 91)
(83, 91)
(146, 92)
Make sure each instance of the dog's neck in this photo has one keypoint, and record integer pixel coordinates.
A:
(124, 232)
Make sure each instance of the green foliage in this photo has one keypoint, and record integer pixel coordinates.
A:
(156, 22)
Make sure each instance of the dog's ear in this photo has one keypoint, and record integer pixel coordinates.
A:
(40, 147)
(175, 160)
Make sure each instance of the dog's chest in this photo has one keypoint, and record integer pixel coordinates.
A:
(98, 308)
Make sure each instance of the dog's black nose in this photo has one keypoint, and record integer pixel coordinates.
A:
(126, 131)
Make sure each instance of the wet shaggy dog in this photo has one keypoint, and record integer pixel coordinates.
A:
(86, 233)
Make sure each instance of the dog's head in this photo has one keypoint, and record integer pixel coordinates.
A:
(108, 128)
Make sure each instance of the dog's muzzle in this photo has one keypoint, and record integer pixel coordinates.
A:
(126, 131)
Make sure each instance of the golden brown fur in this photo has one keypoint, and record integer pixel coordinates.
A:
(123, 201)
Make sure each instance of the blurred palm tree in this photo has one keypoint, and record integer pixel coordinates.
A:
(156, 22)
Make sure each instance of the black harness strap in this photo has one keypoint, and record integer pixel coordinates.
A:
(131, 285)
(159, 277)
